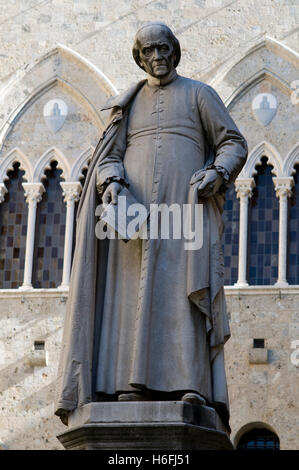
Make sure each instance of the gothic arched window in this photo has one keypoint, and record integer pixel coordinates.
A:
(230, 240)
(50, 231)
(293, 233)
(263, 229)
(13, 223)
(259, 439)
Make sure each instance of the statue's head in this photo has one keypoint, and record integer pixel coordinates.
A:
(156, 49)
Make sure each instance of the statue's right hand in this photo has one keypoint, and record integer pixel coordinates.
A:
(111, 192)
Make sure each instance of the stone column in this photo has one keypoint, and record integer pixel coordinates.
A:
(33, 195)
(71, 193)
(283, 187)
(244, 187)
(3, 191)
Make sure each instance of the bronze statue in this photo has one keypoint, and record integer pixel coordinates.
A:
(146, 320)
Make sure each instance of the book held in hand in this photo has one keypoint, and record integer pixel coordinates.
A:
(125, 218)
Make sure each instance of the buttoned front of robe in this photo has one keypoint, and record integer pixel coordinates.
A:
(153, 334)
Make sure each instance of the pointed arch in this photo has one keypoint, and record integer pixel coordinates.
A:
(102, 79)
(269, 43)
(81, 163)
(16, 155)
(278, 48)
(61, 52)
(253, 80)
(291, 160)
(61, 66)
(231, 85)
(263, 149)
(44, 163)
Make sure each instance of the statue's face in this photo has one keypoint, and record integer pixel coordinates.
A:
(156, 51)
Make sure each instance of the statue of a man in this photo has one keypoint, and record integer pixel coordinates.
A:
(146, 320)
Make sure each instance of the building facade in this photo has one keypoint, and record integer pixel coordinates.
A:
(60, 61)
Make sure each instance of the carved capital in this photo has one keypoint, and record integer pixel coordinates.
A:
(3, 191)
(71, 191)
(33, 192)
(244, 187)
(283, 186)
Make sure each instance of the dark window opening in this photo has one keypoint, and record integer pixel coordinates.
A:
(259, 439)
(293, 230)
(230, 239)
(49, 233)
(263, 227)
(13, 230)
(258, 343)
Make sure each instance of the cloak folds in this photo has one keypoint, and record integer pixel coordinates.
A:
(204, 283)
(74, 380)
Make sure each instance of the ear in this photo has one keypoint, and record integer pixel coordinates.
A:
(137, 58)
(140, 62)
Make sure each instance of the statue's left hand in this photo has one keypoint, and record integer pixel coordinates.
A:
(210, 183)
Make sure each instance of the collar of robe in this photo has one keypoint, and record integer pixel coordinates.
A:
(156, 82)
(121, 100)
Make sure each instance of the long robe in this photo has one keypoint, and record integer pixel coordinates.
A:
(159, 314)
(152, 335)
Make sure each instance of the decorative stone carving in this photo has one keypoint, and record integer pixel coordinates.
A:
(71, 191)
(283, 186)
(33, 192)
(55, 111)
(264, 107)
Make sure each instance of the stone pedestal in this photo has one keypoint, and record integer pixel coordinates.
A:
(172, 425)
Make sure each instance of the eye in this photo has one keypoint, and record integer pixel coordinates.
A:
(164, 48)
(147, 51)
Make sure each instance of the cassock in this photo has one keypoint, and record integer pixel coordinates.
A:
(149, 313)
(162, 312)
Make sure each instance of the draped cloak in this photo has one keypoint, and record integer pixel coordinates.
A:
(150, 313)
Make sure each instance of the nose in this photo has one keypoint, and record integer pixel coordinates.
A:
(157, 53)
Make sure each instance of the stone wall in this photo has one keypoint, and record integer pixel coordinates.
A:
(259, 393)
(210, 31)
(81, 51)
(27, 391)
(266, 392)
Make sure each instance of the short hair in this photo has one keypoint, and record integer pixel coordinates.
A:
(174, 41)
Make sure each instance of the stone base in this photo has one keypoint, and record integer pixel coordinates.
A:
(168, 425)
